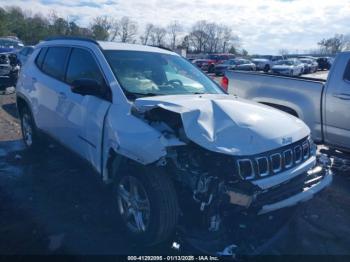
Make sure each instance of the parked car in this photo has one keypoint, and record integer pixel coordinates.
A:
(9, 69)
(218, 59)
(324, 63)
(9, 44)
(288, 67)
(167, 137)
(203, 63)
(234, 64)
(265, 62)
(323, 105)
(310, 65)
(24, 53)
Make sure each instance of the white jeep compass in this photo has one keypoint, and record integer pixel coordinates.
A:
(166, 136)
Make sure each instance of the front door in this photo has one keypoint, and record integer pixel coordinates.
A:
(85, 114)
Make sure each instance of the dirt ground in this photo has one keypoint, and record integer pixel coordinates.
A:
(51, 203)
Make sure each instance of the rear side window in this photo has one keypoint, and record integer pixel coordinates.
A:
(55, 60)
(347, 72)
(83, 66)
(40, 58)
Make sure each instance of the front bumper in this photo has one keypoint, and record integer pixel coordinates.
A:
(297, 190)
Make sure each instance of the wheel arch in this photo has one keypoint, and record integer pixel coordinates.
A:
(21, 102)
(282, 108)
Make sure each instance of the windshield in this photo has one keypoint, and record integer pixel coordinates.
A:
(147, 74)
(285, 62)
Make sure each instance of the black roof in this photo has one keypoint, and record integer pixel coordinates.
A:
(86, 39)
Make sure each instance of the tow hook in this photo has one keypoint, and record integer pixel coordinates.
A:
(324, 160)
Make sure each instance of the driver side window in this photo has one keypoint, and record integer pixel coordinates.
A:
(83, 66)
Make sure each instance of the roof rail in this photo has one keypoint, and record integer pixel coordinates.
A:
(78, 38)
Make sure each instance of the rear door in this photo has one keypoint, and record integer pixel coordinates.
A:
(49, 87)
(337, 104)
(84, 114)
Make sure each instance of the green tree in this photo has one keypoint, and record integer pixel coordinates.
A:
(60, 26)
(3, 22)
(100, 27)
(232, 50)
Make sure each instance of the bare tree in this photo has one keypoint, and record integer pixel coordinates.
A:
(228, 39)
(332, 45)
(145, 38)
(212, 31)
(174, 28)
(157, 36)
(114, 30)
(127, 30)
(283, 52)
(211, 37)
(185, 44)
(198, 37)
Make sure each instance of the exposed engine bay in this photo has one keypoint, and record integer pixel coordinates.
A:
(222, 187)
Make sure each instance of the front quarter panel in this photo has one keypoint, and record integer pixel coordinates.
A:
(131, 137)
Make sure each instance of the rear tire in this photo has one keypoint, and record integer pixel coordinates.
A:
(149, 213)
(29, 130)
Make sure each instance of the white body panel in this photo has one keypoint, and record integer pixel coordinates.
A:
(229, 125)
(92, 126)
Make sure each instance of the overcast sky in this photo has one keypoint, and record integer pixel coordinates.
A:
(264, 26)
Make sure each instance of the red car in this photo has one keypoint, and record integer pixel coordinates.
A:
(218, 59)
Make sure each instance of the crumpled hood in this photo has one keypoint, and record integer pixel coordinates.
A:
(230, 125)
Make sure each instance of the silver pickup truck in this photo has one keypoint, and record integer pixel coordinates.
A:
(323, 105)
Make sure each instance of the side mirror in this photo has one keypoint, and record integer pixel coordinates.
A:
(86, 87)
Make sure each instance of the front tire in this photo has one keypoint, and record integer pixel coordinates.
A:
(147, 205)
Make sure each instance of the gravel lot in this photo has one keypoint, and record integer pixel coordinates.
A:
(52, 204)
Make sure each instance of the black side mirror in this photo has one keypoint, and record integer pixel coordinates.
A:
(87, 87)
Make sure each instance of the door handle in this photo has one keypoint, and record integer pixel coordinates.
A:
(62, 95)
(342, 96)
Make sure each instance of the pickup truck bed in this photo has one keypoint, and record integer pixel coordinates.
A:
(323, 105)
(266, 89)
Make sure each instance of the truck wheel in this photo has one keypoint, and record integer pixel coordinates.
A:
(266, 68)
(29, 130)
(147, 205)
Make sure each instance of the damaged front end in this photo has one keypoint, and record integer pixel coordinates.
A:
(220, 194)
